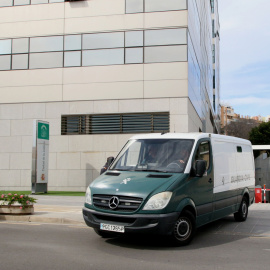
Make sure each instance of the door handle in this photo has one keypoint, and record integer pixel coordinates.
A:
(210, 180)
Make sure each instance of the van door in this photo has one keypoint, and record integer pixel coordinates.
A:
(201, 188)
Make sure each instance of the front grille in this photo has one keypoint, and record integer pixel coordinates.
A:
(126, 204)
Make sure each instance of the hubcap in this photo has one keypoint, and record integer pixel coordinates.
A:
(182, 228)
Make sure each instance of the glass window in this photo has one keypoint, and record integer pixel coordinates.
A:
(134, 39)
(134, 55)
(20, 61)
(73, 42)
(6, 3)
(213, 53)
(72, 59)
(33, 2)
(46, 60)
(56, 1)
(203, 153)
(5, 61)
(46, 44)
(165, 37)
(21, 2)
(134, 6)
(162, 5)
(5, 46)
(239, 149)
(20, 45)
(165, 54)
(103, 57)
(103, 40)
(164, 155)
(212, 6)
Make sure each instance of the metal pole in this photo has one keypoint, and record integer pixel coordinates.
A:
(264, 191)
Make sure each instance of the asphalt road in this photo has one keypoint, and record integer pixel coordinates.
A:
(224, 244)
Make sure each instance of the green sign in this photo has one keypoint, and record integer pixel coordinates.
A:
(43, 131)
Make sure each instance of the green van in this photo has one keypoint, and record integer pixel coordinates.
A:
(171, 184)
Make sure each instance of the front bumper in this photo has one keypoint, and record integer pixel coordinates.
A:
(139, 223)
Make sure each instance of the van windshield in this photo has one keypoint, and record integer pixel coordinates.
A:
(154, 155)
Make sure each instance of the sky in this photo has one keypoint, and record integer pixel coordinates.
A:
(245, 55)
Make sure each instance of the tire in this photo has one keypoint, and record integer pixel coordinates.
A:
(242, 213)
(105, 234)
(184, 229)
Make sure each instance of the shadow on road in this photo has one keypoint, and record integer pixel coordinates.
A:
(213, 234)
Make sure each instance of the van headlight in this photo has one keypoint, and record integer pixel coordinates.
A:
(158, 201)
(88, 198)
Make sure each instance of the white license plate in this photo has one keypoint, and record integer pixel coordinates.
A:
(112, 228)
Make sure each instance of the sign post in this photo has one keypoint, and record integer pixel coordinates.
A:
(40, 156)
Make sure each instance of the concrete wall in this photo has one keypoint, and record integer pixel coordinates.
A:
(74, 161)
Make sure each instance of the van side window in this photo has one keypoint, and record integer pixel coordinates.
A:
(203, 153)
(239, 149)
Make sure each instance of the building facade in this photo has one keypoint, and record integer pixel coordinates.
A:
(100, 71)
(228, 115)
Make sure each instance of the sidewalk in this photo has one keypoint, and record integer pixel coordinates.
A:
(68, 210)
(53, 209)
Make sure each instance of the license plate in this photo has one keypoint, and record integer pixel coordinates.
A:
(112, 228)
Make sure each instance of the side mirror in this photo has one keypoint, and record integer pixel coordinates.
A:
(109, 161)
(107, 165)
(200, 167)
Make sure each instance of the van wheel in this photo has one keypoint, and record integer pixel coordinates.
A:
(242, 213)
(184, 229)
(104, 234)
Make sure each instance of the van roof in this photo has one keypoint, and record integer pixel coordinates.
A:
(171, 136)
(196, 136)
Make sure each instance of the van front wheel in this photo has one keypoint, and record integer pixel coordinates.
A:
(184, 229)
(242, 213)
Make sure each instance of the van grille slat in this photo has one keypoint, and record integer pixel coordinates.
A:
(126, 204)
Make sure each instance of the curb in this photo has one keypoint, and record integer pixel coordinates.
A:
(28, 218)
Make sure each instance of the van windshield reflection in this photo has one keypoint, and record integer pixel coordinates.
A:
(154, 155)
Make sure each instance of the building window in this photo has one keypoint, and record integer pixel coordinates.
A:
(115, 48)
(47, 44)
(165, 37)
(20, 45)
(213, 53)
(115, 123)
(212, 3)
(21, 2)
(137, 6)
(214, 78)
(162, 54)
(6, 3)
(213, 29)
(9, 3)
(103, 57)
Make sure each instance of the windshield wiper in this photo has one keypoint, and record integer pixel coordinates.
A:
(145, 170)
(122, 170)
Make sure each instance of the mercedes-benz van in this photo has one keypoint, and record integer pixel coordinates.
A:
(171, 184)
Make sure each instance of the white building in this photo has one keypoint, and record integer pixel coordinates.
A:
(100, 71)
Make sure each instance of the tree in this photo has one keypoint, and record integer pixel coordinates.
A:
(240, 128)
(260, 135)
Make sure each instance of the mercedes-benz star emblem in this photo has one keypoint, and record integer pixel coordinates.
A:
(113, 202)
